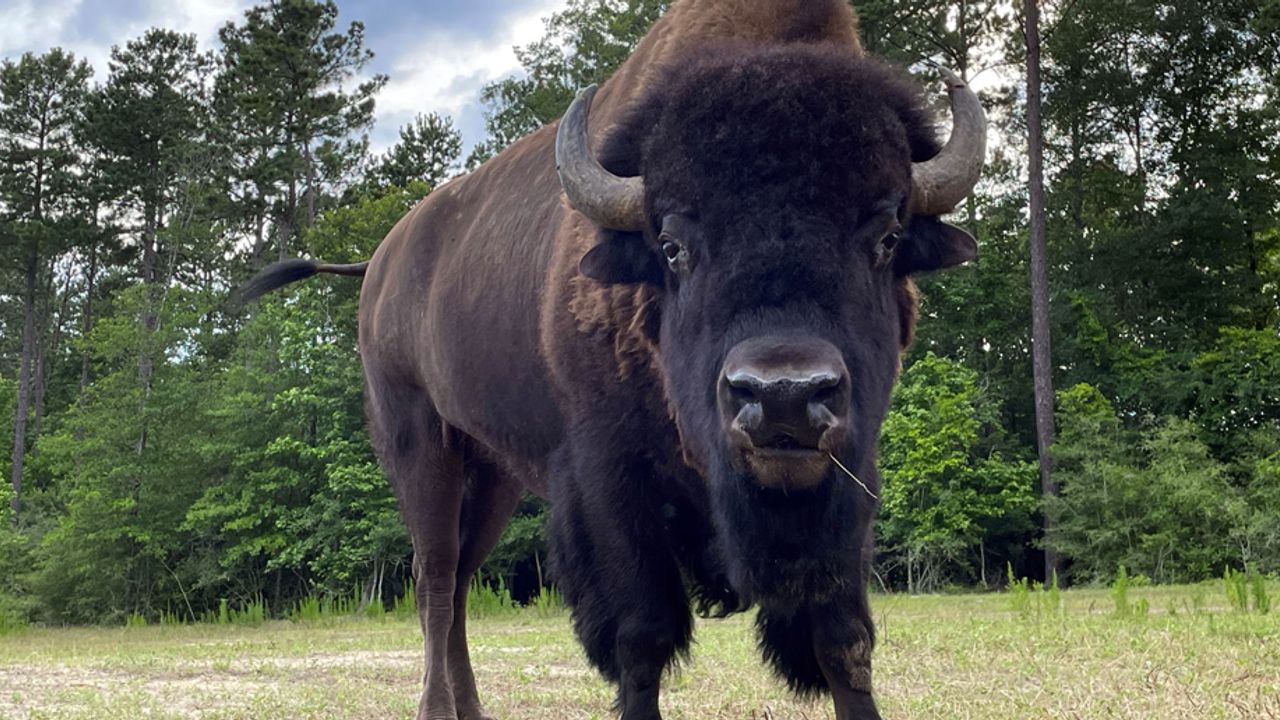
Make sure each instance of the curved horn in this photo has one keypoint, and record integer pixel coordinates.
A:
(943, 181)
(612, 202)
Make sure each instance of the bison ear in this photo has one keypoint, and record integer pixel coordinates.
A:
(621, 258)
(934, 245)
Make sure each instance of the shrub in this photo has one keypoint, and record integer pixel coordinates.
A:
(487, 600)
(406, 605)
(1120, 593)
(547, 602)
(1236, 586)
(1261, 600)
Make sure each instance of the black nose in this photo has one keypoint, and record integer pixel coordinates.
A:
(784, 395)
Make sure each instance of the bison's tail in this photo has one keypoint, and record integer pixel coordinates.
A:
(289, 271)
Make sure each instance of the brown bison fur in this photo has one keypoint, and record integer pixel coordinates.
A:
(510, 345)
(684, 139)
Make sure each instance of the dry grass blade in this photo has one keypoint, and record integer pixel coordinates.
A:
(849, 472)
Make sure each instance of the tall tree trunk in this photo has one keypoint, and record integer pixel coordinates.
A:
(87, 326)
(284, 229)
(149, 322)
(1041, 356)
(48, 350)
(288, 224)
(310, 218)
(24, 384)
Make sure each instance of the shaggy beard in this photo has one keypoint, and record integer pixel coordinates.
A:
(788, 549)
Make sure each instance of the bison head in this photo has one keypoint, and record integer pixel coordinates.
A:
(778, 200)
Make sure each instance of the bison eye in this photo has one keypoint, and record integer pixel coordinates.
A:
(884, 249)
(673, 251)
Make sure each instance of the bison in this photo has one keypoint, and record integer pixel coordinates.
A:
(686, 340)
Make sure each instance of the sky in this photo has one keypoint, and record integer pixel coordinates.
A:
(437, 53)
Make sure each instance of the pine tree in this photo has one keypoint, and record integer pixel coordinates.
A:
(287, 115)
(583, 45)
(41, 100)
(149, 125)
(1040, 330)
(428, 152)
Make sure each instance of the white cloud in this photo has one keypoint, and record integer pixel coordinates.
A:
(444, 74)
(25, 22)
(88, 28)
(201, 17)
(439, 72)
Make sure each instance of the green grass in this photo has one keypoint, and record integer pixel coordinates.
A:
(940, 657)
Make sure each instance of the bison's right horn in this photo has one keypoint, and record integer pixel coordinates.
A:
(942, 182)
(612, 202)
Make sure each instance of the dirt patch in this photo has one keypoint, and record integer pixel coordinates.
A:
(188, 690)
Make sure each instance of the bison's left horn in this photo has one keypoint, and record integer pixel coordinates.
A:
(942, 182)
(612, 202)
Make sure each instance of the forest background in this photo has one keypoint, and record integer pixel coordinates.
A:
(172, 449)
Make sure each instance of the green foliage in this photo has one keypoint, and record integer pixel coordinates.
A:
(1256, 530)
(1028, 598)
(306, 609)
(187, 459)
(1246, 589)
(1019, 593)
(947, 485)
(406, 605)
(583, 45)
(113, 459)
(1120, 593)
(487, 600)
(1258, 591)
(318, 608)
(292, 105)
(148, 121)
(15, 561)
(1164, 509)
(934, 32)
(547, 602)
(41, 104)
(1053, 595)
(253, 612)
(1236, 586)
(428, 152)
(301, 487)
(375, 609)
(523, 544)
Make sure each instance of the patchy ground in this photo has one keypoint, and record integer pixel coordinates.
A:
(940, 658)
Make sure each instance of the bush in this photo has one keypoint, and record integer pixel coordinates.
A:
(1120, 593)
(547, 602)
(1167, 512)
(12, 618)
(486, 600)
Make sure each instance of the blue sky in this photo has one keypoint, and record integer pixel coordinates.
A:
(438, 53)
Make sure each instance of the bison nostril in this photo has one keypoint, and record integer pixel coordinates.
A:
(827, 394)
(821, 418)
(783, 393)
(742, 395)
(750, 417)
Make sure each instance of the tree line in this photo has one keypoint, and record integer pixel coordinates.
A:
(173, 449)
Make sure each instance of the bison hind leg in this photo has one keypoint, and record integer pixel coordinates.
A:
(491, 499)
(437, 478)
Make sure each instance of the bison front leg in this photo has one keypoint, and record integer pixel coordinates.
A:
(619, 575)
(843, 639)
(823, 647)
